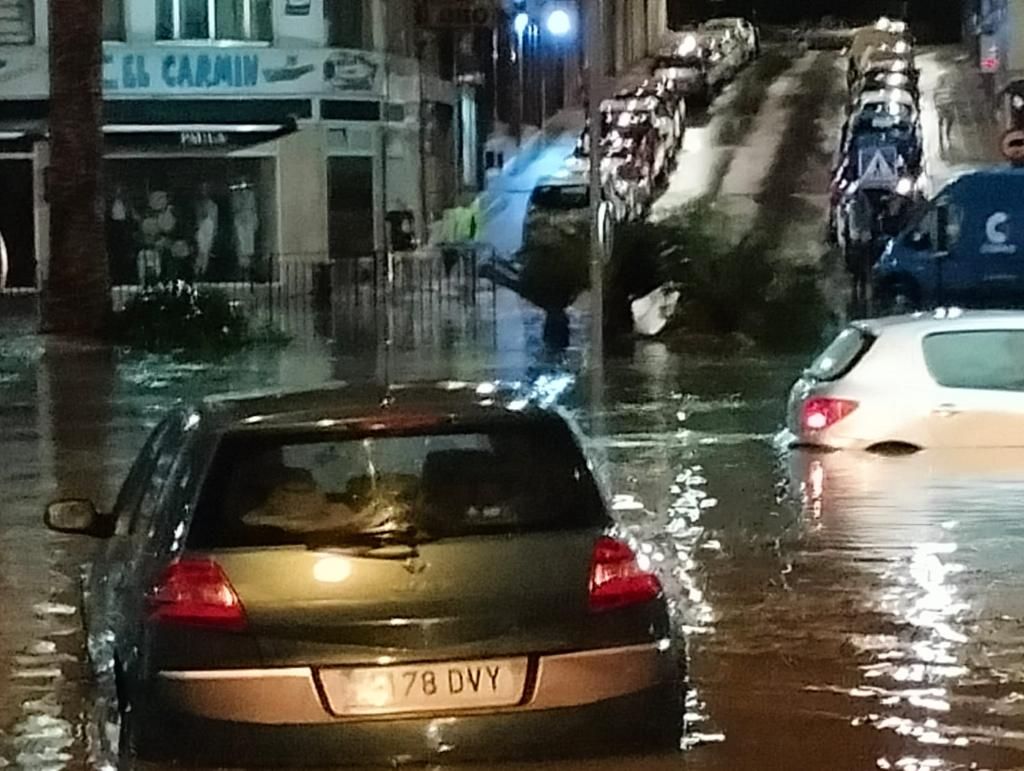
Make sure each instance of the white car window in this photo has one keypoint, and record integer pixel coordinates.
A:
(986, 359)
(842, 355)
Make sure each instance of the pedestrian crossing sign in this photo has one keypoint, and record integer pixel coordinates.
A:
(878, 168)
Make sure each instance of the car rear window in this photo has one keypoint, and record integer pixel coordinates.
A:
(561, 197)
(985, 359)
(268, 490)
(842, 355)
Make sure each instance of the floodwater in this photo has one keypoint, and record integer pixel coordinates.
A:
(841, 611)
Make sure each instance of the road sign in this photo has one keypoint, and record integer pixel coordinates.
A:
(878, 167)
(1012, 145)
(456, 14)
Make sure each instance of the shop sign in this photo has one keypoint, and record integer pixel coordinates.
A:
(456, 14)
(190, 71)
(181, 71)
(203, 139)
(351, 71)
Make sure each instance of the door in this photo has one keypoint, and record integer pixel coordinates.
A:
(17, 228)
(1000, 274)
(114, 591)
(978, 399)
(350, 207)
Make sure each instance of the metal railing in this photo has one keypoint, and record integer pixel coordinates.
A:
(409, 296)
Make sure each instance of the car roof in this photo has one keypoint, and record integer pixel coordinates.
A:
(337, 403)
(943, 320)
(564, 177)
(890, 94)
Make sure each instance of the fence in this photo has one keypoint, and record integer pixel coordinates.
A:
(412, 297)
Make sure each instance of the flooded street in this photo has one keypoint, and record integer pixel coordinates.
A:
(842, 611)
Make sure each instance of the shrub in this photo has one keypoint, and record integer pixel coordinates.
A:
(179, 317)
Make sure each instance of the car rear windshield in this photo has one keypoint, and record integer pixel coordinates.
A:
(985, 359)
(561, 197)
(269, 490)
(842, 355)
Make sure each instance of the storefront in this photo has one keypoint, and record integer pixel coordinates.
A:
(223, 162)
(196, 202)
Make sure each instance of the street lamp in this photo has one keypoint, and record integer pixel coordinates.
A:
(559, 22)
(519, 24)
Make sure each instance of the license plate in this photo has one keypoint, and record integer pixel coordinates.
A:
(447, 686)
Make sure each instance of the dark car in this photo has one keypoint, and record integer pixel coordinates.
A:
(361, 574)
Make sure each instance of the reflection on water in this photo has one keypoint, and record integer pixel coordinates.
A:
(940, 536)
(841, 611)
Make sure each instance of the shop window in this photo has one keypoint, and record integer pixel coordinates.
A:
(214, 20)
(196, 219)
(347, 24)
(17, 22)
(113, 19)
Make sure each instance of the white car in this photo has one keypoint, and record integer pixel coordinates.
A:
(741, 29)
(943, 379)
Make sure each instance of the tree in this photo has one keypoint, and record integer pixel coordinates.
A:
(76, 289)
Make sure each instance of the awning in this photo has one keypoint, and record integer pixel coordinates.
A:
(192, 137)
(18, 136)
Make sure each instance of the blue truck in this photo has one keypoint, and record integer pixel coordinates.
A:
(964, 247)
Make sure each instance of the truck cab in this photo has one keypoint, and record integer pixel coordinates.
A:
(964, 247)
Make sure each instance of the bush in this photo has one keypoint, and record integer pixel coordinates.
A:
(179, 317)
(733, 287)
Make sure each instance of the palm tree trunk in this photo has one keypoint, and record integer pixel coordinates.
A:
(76, 291)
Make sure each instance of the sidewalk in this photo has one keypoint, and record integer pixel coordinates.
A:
(504, 202)
(543, 153)
(975, 136)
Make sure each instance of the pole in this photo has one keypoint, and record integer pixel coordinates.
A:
(521, 110)
(386, 324)
(595, 21)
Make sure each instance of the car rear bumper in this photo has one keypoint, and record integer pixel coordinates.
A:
(593, 701)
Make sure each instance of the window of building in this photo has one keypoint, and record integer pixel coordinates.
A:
(347, 23)
(214, 20)
(17, 22)
(113, 19)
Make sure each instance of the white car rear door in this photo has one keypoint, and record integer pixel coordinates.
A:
(978, 397)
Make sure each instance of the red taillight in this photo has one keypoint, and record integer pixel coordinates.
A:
(195, 592)
(820, 413)
(616, 580)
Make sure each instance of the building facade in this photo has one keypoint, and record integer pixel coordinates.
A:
(236, 131)
(241, 132)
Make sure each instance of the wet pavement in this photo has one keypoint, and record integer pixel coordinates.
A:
(842, 611)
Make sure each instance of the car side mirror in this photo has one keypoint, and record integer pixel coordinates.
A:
(78, 517)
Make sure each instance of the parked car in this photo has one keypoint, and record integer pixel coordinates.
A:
(964, 247)
(881, 78)
(741, 29)
(632, 115)
(942, 380)
(359, 573)
(671, 103)
(694, 65)
(558, 212)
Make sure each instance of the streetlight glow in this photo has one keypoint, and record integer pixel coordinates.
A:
(520, 23)
(559, 23)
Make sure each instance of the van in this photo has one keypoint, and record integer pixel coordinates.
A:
(965, 247)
